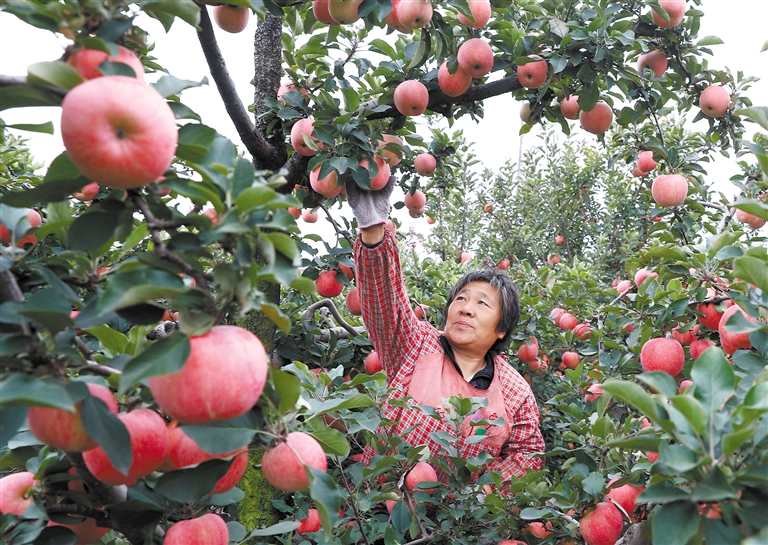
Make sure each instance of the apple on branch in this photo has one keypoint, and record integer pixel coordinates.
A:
(455, 84)
(481, 13)
(15, 492)
(86, 62)
(210, 529)
(475, 57)
(411, 97)
(232, 19)
(533, 75)
(283, 464)
(598, 119)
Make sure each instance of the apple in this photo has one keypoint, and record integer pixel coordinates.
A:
(419, 473)
(212, 215)
(210, 529)
(698, 347)
(637, 173)
(283, 464)
(656, 60)
(559, 240)
(669, 189)
(322, 13)
(309, 524)
(534, 365)
(686, 338)
(529, 350)
(416, 200)
(86, 62)
(232, 19)
(533, 75)
(662, 354)
(149, 445)
(301, 128)
(86, 531)
(327, 285)
(411, 97)
(169, 316)
(222, 378)
(539, 529)
(382, 176)
(464, 257)
(569, 107)
(392, 21)
(425, 163)
(642, 274)
(347, 271)
(344, 11)
(571, 359)
(34, 219)
(674, 8)
(567, 321)
(475, 57)
(328, 186)
(392, 149)
(481, 13)
(602, 525)
(512, 542)
(455, 84)
(623, 286)
(289, 87)
(715, 100)
(556, 314)
(412, 14)
(295, 212)
(353, 302)
(598, 119)
(733, 341)
(488, 208)
(553, 258)
(645, 161)
(118, 131)
(750, 219)
(652, 456)
(525, 114)
(625, 495)
(87, 193)
(373, 363)
(309, 216)
(14, 489)
(582, 331)
(63, 429)
(431, 221)
(503, 264)
(593, 392)
(684, 385)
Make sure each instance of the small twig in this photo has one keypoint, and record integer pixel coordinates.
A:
(339, 231)
(81, 511)
(719, 207)
(327, 303)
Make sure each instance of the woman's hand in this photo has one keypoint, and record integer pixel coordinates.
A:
(371, 208)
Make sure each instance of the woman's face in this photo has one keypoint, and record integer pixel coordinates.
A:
(473, 317)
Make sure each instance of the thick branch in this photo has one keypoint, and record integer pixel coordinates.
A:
(297, 167)
(268, 70)
(252, 140)
(327, 303)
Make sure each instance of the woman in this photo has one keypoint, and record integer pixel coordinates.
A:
(463, 359)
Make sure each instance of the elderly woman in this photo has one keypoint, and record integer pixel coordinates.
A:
(427, 364)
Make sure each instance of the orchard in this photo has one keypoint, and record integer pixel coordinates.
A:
(182, 362)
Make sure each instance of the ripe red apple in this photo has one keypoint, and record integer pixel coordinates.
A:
(488, 208)
(645, 161)
(347, 271)
(149, 445)
(733, 341)
(373, 363)
(556, 314)
(464, 257)
(602, 525)
(327, 285)
(686, 338)
(571, 359)
(232, 19)
(425, 163)
(637, 173)
(525, 114)
(34, 219)
(87, 193)
(656, 60)
(322, 13)
(431, 221)
(391, 156)
(674, 8)
(309, 216)
(455, 84)
(652, 456)
(504, 264)
(13, 491)
(623, 286)
(416, 200)
(353, 302)
(662, 354)
(382, 177)
(344, 11)
(539, 529)
(642, 274)
(598, 119)
(475, 57)
(669, 189)
(63, 429)
(567, 321)
(303, 127)
(309, 524)
(412, 14)
(86, 62)
(295, 212)
(481, 13)
(553, 258)
(328, 186)
(698, 347)
(392, 21)
(593, 392)
(512, 542)
(211, 386)
(715, 100)
(118, 131)
(288, 87)
(210, 529)
(750, 219)
(420, 472)
(625, 495)
(411, 98)
(212, 215)
(559, 240)
(283, 464)
(582, 331)
(529, 350)
(86, 531)
(569, 107)
(533, 75)
(684, 385)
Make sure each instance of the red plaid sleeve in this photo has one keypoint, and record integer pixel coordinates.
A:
(525, 440)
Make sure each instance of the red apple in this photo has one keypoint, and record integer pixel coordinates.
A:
(301, 128)
(637, 173)
(344, 11)
(733, 341)
(475, 57)
(488, 208)
(63, 429)
(87, 193)
(750, 219)
(295, 212)
(684, 385)
(86, 531)
(288, 87)
(571, 359)
(623, 286)
(645, 161)
(210, 529)
(559, 240)
(14, 489)
(652, 456)
(582, 331)
(715, 101)
(539, 529)
(529, 350)
(373, 363)
(309, 216)
(416, 200)
(232, 19)
(686, 338)
(419, 473)
(569, 107)
(642, 274)
(34, 219)
(602, 525)
(222, 378)
(412, 14)
(118, 131)
(598, 119)
(327, 285)
(669, 189)
(425, 164)
(322, 13)
(309, 524)
(662, 354)
(625, 495)
(283, 464)
(392, 149)
(382, 176)
(353, 302)
(512, 542)
(86, 62)
(698, 347)
(431, 221)
(553, 258)
(149, 445)
(656, 60)
(464, 257)
(481, 13)
(455, 84)
(567, 321)
(503, 264)
(392, 21)
(347, 271)
(674, 8)
(556, 314)
(533, 75)
(411, 98)
(212, 215)
(328, 186)
(593, 392)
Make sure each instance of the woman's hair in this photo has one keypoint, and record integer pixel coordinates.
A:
(508, 297)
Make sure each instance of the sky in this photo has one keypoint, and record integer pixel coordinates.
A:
(739, 23)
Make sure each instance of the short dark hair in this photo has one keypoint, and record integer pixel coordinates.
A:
(508, 297)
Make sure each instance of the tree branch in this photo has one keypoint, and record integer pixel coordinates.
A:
(327, 303)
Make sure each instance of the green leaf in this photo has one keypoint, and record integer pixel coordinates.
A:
(112, 341)
(355, 402)
(192, 484)
(166, 356)
(61, 180)
(531, 513)
(719, 242)
(594, 483)
(288, 388)
(108, 431)
(13, 418)
(677, 458)
(333, 441)
(754, 207)
(276, 529)
(675, 523)
(732, 441)
(714, 380)
(45, 128)
(709, 40)
(758, 114)
(53, 74)
(169, 85)
(713, 487)
(28, 391)
(660, 381)
(752, 270)
(92, 230)
(254, 197)
(184, 10)
(757, 397)
(694, 412)
(634, 395)
(139, 285)
(644, 443)
(664, 492)
(224, 436)
(24, 96)
(326, 495)
(47, 308)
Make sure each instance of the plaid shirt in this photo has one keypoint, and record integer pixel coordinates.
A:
(401, 339)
